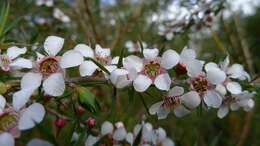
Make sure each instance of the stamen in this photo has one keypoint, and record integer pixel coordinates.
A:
(200, 84)
(49, 65)
(152, 69)
(170, 102)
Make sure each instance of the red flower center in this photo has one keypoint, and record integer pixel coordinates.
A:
(49, 65)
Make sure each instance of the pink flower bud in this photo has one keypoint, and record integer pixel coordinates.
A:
(91, 122)
(59, 122)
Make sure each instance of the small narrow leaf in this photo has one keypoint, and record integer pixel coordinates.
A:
(86, 98)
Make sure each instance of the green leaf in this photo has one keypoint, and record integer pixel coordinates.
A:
(120, 62)
(86, 98)
(3, 17)
(65, 134)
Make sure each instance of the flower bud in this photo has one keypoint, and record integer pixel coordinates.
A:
(91, 122)
(59, 122)
(80, 110)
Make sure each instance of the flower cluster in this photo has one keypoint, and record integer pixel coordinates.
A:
(118, 135)
(188, 81)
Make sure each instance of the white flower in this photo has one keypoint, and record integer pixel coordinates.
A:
(12, 60)
(176, 101)
(234, 102)
(48, 69)
(134, 46)
(48, 3)
(19, 120)
(122, 77)
(38, 142)
(207, 84)
(58, 14)
(88, 67)
(152, 69)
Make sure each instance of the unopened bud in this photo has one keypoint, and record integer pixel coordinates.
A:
(181, 69)
(80, 110)
(59, 122)
(91, 122)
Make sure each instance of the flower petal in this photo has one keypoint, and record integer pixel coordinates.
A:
(31, 81)
(22, 63)
(71, 58)
(236, 71)
(119, 78)
(2, 104)
(155, 108)
(91, 140)
(85, 50)
(191, 99)
(181, 111)
(186, 55)
(119, 134)
(142, 83)
(6, 139)
(150, 53)
(21, 97)
(168, 142)
(216, 76)
(176, 91)
(234, 87)
(221, 89)
(212, 99)
(53, 45)
(38, 142)
(14, 52)
(87, 68)
(211, 65)
(54, 85)
(194, 68)
(133, 61)
(107, 128)
(223, 111)
(163, 82)
(115, 60)
(170, 58)
(129, 138)
(32, 115)
(102, 52)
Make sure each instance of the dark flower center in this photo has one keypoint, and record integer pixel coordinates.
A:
(152, 69)
(8, 121)
(49, 65)
(171, 102)
(200, 84)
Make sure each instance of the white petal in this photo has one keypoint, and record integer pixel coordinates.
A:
(14, 52)
(191, 99)
(6, 139)
(211, 65)
(213, 99)
(180, 111)
(21, 97)
(54, 85)
(167, 142)
(130, 138)
(170, 58)
(39, 56)
(223, 111)
(237, 71)
(106, 128)
(133, 62)
(102, 52)
(221, 89)
(115, 60)
(186, 55)
(31, 81)
(119, 78)
(87, 68)
(234, 87)
(38, 142)
(155, 108)
(85, 50)
(194, 68)
(163, 113)
(71, 58)
(150, 53)
(2, 104)
(53, 45)
(32, 115)
(119, 134)
(163, 82)
(22, 63)
(91, 140)
(176, 91)
(142, 83)
(234, 106)
(161, 134)
(224, 65)
(216, 76)
(250, 105)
